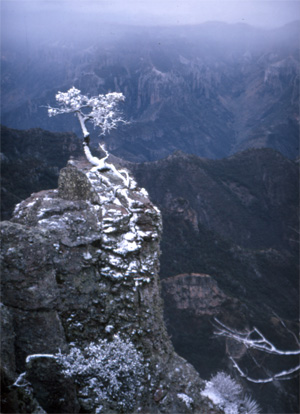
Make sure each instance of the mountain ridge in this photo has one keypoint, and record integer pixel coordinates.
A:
(207, 90)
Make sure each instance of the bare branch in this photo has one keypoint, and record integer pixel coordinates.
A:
(254, 339)
(248, 339)
(287, 329)
(21, 381)
(282, 375)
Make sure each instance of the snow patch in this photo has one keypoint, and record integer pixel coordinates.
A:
(186, 399)
(144, 192)
(125, 247)
(109, 328)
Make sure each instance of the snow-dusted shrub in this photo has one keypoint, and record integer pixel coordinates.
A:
(226, 393)
(249, 406)
(226, 386)
(106, 372)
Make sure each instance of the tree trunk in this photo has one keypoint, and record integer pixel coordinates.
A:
(87, 140)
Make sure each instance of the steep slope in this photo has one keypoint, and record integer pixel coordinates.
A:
(209, 90)
(80, 265)
(249, 199)
(236, 221)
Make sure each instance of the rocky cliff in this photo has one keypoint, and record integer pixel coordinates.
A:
(232, 219)
(80, 268)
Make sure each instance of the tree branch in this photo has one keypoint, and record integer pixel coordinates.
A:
(282, 375)
(246, 338)
(259, 343)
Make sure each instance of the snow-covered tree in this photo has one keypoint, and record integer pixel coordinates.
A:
(108, 374)
(100, 110)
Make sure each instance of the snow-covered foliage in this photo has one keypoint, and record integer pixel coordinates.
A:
(101, 110)
(226, 393)
(226, 386)
(249, 406)
(107, 372)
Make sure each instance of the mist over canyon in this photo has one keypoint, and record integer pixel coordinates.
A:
(210, 90)
(213, 137)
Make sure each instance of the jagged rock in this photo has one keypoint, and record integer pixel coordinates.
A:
(8, 363)
(80, 264)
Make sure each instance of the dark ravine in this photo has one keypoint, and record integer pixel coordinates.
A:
(192, 300)
(236, 221)
(31, 161)
(79, 264)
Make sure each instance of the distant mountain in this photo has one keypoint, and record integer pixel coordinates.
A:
(236, 217)
(210, 90)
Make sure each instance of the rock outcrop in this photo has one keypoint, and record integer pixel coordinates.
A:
(198, 293)
(79, 265)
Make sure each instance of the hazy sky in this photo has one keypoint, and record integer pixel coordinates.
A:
(62, 19)
(254, 12)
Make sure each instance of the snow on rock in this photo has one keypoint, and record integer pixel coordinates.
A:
(128, 219)
(80, 264)
(92, 205)
(186, 399)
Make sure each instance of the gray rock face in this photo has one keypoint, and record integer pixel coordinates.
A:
(199, 293)
(80, 264)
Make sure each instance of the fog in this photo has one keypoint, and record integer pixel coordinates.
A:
(25, 20)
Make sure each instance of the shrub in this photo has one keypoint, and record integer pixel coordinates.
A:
(226, 393)
(249, 406)
(227, 387)
(108, 373)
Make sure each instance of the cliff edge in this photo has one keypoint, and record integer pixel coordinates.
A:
(79, 273)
